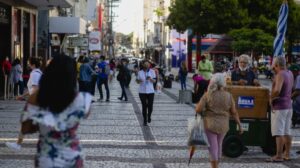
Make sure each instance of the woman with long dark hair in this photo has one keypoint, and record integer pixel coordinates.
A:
(58, 109)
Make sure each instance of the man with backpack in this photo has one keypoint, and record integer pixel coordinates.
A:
(103, 74)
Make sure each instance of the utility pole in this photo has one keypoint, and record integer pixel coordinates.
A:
(111, 16)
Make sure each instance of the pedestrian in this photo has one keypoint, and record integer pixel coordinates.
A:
(183, 72)
(216, 106)
(57, 109)
(122, 77)
(6, 70)
(85, 76)
(33, 86)
(16, 77)
(78, 64)
(146, 90)
(103, 75)
(296, 98)
(112, 66)
(281, 116)
(243, 75)
(93, 64)
(205, 68)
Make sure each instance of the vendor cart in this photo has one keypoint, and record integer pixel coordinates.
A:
(254, 112)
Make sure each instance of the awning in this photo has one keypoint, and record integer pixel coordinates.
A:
(51, 3)
(69, 25)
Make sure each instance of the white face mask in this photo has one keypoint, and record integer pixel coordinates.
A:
(243, 69)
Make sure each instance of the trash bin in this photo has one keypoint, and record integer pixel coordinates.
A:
(167, 82)
(254, 112)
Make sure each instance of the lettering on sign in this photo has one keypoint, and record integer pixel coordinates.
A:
(245, 127)
(245, 102)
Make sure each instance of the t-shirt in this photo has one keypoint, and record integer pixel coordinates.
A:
(146, 86)
(104, 70)
(34, 79)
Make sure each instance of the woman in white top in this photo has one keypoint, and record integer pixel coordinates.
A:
(146, 78)
(32, 85)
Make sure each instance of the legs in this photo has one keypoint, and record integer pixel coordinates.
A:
(122, 84)
(215, 149)
(99, 85)
(150, 98)
(280, 124)
(143, 98)
(106, 88)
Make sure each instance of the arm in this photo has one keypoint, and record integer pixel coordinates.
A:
(201, 104)
(296, 93)
(210, 67)
(235, 115)
(277, 88)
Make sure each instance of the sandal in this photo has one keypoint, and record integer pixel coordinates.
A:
(274, 160)
(286, 159)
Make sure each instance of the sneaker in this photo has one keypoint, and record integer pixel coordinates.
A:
(13, 146)
(107, 100)
(149, 120)
(119, 98)
(100, 99)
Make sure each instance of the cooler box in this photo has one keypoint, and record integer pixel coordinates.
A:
(251, 102)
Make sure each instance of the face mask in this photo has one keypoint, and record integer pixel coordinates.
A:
(243, 69)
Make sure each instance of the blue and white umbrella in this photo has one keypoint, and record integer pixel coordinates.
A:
(281, 30)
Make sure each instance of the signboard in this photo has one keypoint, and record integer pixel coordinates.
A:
(94, 41)
(245, 102)
(78, 41)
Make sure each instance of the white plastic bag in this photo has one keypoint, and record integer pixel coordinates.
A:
(196, 134)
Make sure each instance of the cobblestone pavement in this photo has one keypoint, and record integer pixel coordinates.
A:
(113, 136)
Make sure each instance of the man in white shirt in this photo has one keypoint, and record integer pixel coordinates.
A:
(146, 78)
(32, 85)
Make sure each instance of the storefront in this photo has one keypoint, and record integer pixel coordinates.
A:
(18, 33)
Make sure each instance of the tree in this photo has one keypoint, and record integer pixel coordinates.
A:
(255, 41)
(205, 16)
(264, 15)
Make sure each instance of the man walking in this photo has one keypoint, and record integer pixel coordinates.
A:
(281, 115)
(103, 74)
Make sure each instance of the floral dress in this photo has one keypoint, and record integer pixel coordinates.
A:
(58, 144)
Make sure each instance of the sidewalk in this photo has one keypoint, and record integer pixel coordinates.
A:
(114, 136)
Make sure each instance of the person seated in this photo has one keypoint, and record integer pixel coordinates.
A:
(243, 75)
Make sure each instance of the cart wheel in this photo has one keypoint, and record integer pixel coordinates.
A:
(233, 146)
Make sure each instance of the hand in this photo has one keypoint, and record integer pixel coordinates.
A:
(256, 82)
(241, 131)
(242, 82)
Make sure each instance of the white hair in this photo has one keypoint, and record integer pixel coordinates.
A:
(280, 61)
(245, 57)
(216, 82)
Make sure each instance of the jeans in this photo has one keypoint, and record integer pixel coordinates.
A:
(215, 141)
(147, 105)
(122, 84)
(100, 82)
(93, 85)
(183, 82)
(19, 84)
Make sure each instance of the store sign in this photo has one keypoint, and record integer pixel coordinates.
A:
(95, 41)
(78, 42)
(245, 102)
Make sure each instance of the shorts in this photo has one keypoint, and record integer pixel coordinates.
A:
(281, 121)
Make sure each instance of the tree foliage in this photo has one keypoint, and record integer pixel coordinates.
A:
(205, 16)
(244, 16)
(252, 40)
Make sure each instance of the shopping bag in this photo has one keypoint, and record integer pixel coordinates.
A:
(196, 134)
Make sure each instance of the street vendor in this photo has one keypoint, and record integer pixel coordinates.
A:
(243, 75)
